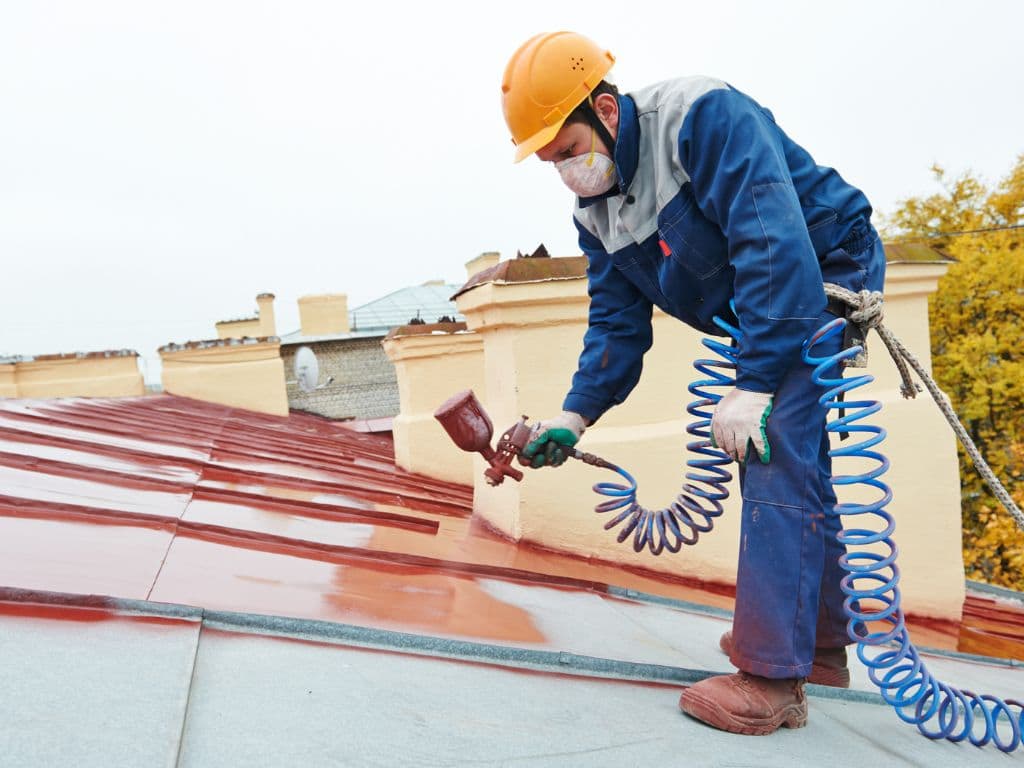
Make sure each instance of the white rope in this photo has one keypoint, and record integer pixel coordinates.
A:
(867, 313)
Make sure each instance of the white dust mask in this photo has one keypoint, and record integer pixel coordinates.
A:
(588, 175)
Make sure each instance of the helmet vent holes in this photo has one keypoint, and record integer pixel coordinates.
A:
(577, 62)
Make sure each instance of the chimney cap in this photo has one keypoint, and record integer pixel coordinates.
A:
(265, 295)
(528, 270)
(323, 297)
(88, 355)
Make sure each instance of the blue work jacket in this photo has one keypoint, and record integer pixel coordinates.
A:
(714, 202)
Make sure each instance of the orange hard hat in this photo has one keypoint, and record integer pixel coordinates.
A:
(546, 79)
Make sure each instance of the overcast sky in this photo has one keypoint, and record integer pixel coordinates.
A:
(162, 163)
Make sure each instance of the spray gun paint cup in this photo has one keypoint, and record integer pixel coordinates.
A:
(470, 428)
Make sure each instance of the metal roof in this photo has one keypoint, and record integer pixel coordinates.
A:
(914, 253)
(190, 584)
(297, 337)
(426, 302)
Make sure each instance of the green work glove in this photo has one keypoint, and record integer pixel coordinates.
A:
(741, 418)
(550, 440)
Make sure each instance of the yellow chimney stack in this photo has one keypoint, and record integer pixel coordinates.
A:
(265, 313)
(484, 261)
(324, 315)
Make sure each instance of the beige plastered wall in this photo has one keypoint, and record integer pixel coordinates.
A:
(243, 375)
(532, 335)
(432, 363)
(8, 380)
(238, 329)
(86, 375)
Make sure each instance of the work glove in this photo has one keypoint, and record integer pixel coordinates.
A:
(740, 418)
(551, 440)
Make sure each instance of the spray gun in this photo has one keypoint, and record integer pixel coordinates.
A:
(681, 522)
(470, 428)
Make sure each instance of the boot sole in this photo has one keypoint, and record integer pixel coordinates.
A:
(790, 716)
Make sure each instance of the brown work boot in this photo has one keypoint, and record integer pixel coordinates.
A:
(747, 704)
(828, 668)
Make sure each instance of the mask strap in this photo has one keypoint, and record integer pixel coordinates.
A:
(593, 147)
(599, 127)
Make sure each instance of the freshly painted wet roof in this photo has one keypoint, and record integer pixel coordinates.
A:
(190, 584)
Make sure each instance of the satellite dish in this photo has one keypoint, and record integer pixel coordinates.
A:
(307, 370)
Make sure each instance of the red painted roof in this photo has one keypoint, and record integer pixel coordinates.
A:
(180, 501)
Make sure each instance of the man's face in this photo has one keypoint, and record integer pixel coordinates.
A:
(570, 141)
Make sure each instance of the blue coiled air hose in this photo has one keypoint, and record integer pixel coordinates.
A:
(871, 584)
(694, 510)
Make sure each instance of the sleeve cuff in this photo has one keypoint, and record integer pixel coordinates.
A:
(590, 408)
(755, 381)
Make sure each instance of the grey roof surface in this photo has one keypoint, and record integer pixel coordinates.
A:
(101, 693)
(160, 685)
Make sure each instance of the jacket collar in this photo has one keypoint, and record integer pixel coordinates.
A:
(625, 154)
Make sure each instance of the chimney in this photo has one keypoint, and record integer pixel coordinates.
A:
(484, 261)
(324, 315)
(265, 312)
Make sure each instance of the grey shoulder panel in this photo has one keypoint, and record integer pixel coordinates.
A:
(661, 109)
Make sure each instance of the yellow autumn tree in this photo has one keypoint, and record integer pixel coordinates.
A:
(977, 333)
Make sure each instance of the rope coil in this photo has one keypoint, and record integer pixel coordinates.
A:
(868, 305)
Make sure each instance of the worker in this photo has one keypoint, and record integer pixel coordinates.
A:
(691, 198)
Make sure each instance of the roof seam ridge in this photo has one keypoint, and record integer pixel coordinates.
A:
(188, 695)
(512, 657)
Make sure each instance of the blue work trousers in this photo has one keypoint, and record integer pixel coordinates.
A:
(788, 599)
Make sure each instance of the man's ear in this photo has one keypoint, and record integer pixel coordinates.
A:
(607, 108)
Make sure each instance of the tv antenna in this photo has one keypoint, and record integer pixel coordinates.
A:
(307, 371)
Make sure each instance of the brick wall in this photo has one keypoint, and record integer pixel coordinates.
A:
(364, 385)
